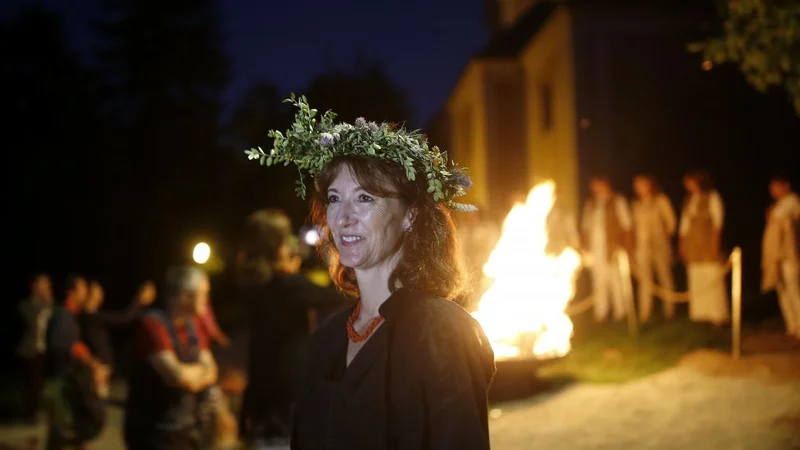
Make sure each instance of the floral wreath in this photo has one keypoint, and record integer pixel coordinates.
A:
(311, 144)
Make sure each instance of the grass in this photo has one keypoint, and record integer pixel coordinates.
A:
(607, 353)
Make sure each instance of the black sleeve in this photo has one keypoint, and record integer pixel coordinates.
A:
(445, 372)
(119, 318)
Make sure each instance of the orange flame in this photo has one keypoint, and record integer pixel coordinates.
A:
(522, 313)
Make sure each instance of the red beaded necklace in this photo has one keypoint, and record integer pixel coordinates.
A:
(351, 330)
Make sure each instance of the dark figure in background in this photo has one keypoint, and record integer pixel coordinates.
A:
(173, 369)
(278, 301)
(35, 311)
(95, 322)
(76, 414)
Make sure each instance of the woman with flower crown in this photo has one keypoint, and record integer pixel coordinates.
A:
(405, 368)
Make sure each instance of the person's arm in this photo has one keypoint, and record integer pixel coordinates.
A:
(439, 393)
(211, 326)
(80, 351)
(191, 377)
(683, 230)
(717, 210)
(626, 223)
(120, 318)
(668, 214)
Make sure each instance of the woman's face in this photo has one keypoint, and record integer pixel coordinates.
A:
(366, 228)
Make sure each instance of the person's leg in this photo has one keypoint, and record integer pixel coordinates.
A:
(645, 279)
(600, 290)
(694, 278)
(617, 292)
(667, 282)
(720, 314)
(790, 296)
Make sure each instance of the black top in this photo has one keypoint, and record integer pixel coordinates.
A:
(95, 330)
(419, 383)
(63, 331)
(278, 322)
(278, 350)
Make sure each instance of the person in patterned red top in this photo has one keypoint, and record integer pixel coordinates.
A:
(173, 369)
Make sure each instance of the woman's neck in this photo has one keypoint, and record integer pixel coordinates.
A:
(373, 287)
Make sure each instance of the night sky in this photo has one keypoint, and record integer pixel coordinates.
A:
(424, 44)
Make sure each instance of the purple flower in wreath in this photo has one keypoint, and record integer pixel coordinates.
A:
(327, 139)
(372, 126)
(361, 123)
(463, 180)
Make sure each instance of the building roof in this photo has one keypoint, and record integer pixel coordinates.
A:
(510, 42)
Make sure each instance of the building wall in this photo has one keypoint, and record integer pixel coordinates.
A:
(641, 93)
(506, 147)
(551, 122)
(466, 109)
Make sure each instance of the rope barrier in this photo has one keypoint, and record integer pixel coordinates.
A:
(665, 294)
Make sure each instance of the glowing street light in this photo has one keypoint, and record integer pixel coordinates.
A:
(311, 237)
(201, 253)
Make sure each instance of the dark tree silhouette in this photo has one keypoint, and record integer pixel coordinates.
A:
(164, 69)
(50, 122)
(365, 92)
(247, 186)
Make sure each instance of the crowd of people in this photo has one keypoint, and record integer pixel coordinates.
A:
(645, 230)
(174, 399)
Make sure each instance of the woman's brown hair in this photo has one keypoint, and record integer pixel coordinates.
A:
(431, 260)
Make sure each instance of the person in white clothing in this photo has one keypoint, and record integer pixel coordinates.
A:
(655, 224)
(606, 227)
(562, 229)
(701, 227)
(780, 257)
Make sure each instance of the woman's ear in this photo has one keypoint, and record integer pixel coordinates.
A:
(409, 219)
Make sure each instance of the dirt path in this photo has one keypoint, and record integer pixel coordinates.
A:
(679, 408)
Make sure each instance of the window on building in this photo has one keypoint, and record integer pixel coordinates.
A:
(546, 97)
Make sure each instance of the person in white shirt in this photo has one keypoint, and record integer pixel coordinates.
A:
(562, 228)
(654, 225)
(702, 221)
(606, 227)
(780, 255)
